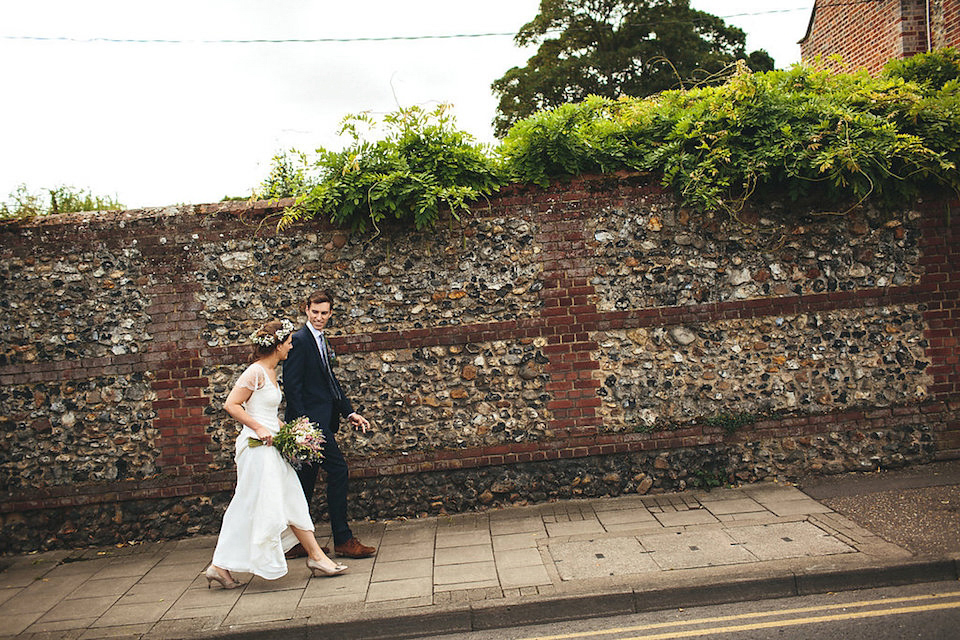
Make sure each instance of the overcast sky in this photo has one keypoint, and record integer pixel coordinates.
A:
(154, 123)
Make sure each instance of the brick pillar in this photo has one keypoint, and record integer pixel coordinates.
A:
(940, 258)
(569, 314)
(177, 382)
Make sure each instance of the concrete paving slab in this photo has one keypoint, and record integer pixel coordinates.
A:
(463, 573)
(44, 559)
(6, 594)
(749, 516)
(343, 589)
(192, 556)
(178, 628)
(625, 516)
(504, 526)
(727, 507)
(718, 493)
(296, 579)
(464, 554)
(40, 596)
(15, 623)
(634, 528)
(620, 503)
(412, 551)
(121, 567)
(408, 533)
(689, 549)
(568, 511)
(193, 598)
(417, 568)
(268, 606)
(515, 541)
(769, 490)
(526, 557)
(55, 628)
(477, 587)
(575, 528)
(796, 507)
(171, 572)
(600, 558)
(84, 568)
(117, 631)
(209, 612)
(79, 608)
(132, 614)
(686, 518)
(525, 576)
(462, 538)
(157, 592)
(789, 540)
(22, 577)
(400, 589)
(463, 522)
(104, 587)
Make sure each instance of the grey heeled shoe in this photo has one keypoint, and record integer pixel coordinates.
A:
(316, 567)
(212, 575)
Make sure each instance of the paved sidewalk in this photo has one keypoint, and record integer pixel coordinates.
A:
(473, 571)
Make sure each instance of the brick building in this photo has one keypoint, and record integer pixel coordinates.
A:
(868, 33)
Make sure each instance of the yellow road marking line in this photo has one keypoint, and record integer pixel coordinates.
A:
(772, 624)
(747, 616)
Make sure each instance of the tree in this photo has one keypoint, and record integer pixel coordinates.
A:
(21, 203)
(616, 47)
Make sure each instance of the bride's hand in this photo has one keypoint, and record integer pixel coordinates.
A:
(265, 437)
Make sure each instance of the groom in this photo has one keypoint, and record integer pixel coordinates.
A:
(311, 389)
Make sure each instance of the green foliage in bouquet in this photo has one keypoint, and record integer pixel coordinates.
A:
(298, 441)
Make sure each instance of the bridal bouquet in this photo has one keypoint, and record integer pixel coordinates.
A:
(298, 441)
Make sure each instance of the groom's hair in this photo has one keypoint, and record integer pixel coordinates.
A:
(318, 296)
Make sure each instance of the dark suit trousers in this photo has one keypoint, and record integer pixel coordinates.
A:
(335, 467)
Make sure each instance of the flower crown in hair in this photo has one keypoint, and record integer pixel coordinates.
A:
(267, 340)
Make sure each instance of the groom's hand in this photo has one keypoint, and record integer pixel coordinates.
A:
(359, 422)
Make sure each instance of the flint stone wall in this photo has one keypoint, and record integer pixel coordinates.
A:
(588, 339)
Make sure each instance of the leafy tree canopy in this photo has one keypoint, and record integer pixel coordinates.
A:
(616, 48)
(23, 203)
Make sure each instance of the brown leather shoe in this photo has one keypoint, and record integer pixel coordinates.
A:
(353, 549)
(297, 551)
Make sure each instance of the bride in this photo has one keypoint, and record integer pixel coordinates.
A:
(268, 513)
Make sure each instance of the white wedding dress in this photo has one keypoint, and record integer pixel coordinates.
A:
(268, 499)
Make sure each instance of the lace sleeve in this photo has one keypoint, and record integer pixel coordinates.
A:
(252, 378)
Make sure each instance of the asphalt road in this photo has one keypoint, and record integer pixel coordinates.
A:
(917, 508)
(930, 611)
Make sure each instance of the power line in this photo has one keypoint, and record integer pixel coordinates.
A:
(321, 40)
(251, 40)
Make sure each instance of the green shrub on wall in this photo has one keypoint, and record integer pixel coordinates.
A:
(839, 139)
(831, 140)
(421, 164)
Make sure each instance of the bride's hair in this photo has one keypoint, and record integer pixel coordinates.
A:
(267, 338)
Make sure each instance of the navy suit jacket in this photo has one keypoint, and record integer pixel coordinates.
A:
(307, 389)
